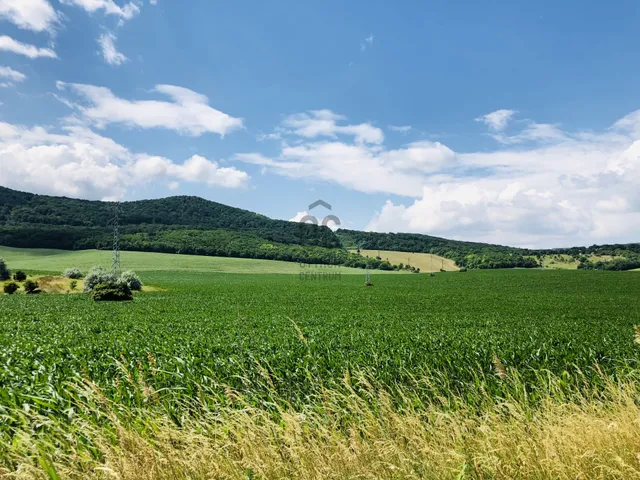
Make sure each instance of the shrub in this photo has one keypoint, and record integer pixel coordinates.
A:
(463, 269)
(10, 288)
(73, 284)
(111, 292)
(132, 280)
(5, 274)
(19, 276)
(96, 276)
(31, 286)
(73, 273)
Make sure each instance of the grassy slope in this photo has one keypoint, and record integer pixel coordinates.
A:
(45, 260)
(566, 262)
(424, 261)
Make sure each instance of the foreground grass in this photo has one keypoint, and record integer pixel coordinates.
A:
(461, 375)
(357, 430)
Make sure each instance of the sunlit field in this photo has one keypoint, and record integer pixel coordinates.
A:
(484, 374)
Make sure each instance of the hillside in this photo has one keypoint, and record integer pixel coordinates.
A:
(192, 225)
(55, 261)
(426, 262)
(90, 218)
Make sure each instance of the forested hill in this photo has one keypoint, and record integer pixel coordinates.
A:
(193, 225)
(19, 209)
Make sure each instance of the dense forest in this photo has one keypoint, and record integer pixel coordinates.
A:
(21, 209)
(197, 226)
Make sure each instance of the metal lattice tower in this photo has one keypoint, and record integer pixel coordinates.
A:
(367, 271)
(115, 266)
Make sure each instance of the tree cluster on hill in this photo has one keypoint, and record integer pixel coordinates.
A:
(470, 255)
(20, 209)
(617, 264)
(194, 225)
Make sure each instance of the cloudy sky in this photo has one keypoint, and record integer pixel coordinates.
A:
(507, 122)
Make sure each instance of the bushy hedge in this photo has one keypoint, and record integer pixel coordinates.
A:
(5, 274)
(111, 292)
(73, 273)
(19, 276)
(132, 280)
(31, 286)
(10, 288)
(96, 276)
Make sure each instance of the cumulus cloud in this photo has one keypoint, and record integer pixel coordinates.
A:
(109, 51)
(323, 123)
(189, 113)
(35, 15)
(109, 7)
(498, 120)
(81, 163)
(541, 187)
(8, 44)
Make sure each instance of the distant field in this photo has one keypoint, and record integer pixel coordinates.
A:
(426, 262)
(566, 262)
(44, 260)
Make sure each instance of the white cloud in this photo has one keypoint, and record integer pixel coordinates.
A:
(189, 113)
(358, 167)
(299, 216)
(497, 120)
(36, 15)
(127, 12)
(404, 129)
(109, 51)
(11, 74)
(534, 132)
(544, 187)
(261, 137)
(368, 43)
(323, 123)
(8, 44)
(81, 163)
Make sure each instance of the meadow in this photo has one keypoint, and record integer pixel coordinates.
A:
(327, 376)
(426, 262)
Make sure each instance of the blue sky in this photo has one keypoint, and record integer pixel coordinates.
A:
(505, 122)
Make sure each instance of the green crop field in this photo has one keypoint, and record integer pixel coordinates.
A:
(68, 364)
(214, 328)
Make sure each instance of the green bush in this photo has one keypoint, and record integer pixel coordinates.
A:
(19, 276)
(10, 288)
(132, 280)
(96, 276)
(463, 269)
(5, 274)
(31, 286)
(111, 292)
(73, 273)
(73, 284)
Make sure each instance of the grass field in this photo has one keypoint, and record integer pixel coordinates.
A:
(566, 262)
(44, 260)
(426, 262)
(484, 374)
